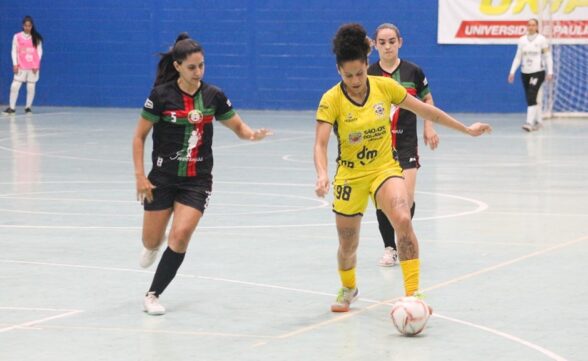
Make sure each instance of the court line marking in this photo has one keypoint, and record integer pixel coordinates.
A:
(289, 158)
(444, 284)
(315, 326)
(68, 157)
(506, 263)
(310, 185)
(539, 214)
(36, 309)
(481, 206)
(41, 320)
(141, 330)
(264, 141)
(552, 355)
(318, 203)
(32, 116)
(182, 275)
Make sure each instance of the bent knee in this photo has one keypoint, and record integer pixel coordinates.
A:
(401, 221)
(181, 235)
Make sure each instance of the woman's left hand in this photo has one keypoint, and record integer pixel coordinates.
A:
(259, 134)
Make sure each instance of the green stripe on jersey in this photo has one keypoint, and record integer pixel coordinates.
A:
(150, 117)
(227, 115)
(424, 92)
(407, 84)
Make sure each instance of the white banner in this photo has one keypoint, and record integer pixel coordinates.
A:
(504, 21)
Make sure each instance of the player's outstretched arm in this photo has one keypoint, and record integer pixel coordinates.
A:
(437, 115)
(243, 131)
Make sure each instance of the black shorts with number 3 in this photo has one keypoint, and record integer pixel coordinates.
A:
(190, 191)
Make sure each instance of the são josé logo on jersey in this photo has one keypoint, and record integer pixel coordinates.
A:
(379, 109)
(195, 116)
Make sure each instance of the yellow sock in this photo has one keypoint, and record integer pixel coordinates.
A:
(347, 277)
(410, 273)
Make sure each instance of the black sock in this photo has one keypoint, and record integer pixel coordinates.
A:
(386, 229)
(166, 270)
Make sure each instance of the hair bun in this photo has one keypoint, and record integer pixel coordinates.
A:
(182, 36)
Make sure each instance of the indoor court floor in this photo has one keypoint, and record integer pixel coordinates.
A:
(502, 222)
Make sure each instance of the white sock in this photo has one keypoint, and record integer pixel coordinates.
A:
(531, 114)
(14, 88)
(30, 94)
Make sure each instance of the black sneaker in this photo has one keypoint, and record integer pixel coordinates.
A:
(28, 110)
(8, 111)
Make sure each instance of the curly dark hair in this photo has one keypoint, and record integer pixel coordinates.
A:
(351, 43)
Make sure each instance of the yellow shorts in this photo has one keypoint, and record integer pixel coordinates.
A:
(352, 193)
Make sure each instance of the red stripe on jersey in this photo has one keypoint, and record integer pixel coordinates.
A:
(182, 113)
(394, 126)
(189, 106)
(199, 129)
(411, 91)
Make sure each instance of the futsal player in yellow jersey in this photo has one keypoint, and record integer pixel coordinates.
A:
(357, 110)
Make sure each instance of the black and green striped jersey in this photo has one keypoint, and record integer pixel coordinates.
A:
(404, 127)
(182, 130)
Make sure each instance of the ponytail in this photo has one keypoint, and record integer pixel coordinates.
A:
(183, 47)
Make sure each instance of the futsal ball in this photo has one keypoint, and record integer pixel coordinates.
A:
(410, 315)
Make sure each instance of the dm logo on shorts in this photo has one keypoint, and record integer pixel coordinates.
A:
(355, 138)
(379, 109)
(195, 116)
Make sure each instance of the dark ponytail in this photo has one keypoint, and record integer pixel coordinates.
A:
(37, 38)
(351, 43)
(183, 47)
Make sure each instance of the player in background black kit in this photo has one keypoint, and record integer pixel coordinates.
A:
(388, 41)
(180, 110)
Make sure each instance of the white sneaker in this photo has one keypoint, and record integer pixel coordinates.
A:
(527, 127)
(389, 258)
(344, 299)
(148, 256)
(152, 306)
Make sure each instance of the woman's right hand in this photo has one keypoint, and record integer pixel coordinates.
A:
(322, 186)
(15, 69)
(144, 189)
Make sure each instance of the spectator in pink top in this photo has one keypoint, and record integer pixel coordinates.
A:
(27, 50)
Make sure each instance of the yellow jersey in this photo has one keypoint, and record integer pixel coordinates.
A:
(362, 130)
